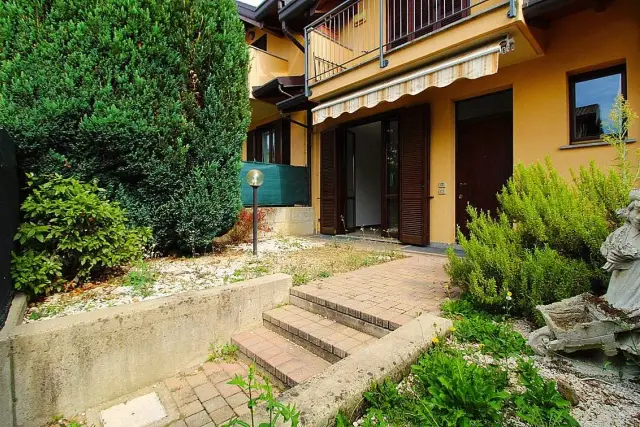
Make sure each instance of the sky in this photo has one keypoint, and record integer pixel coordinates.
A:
(254, 3)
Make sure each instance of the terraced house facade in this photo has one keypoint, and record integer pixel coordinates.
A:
(402, 112)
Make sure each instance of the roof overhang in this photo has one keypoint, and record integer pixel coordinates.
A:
(286, 92)
(540, 12)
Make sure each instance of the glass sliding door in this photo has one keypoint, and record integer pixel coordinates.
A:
(391, 182)
(350, 159)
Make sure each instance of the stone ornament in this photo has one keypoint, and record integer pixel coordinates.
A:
(611, 322)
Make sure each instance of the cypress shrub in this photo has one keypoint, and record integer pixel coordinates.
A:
(148, 97)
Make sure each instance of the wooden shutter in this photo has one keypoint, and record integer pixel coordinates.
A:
(329, 182)
(414, 175)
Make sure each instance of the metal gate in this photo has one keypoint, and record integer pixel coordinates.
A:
(9, 216)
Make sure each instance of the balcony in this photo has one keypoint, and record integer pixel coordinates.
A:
(379, 38)
(265, 67)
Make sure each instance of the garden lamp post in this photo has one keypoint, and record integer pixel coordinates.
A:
(255, 178)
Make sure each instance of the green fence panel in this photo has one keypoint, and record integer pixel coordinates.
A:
(284, 185)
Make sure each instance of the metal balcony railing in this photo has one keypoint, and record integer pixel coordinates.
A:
(358, 31)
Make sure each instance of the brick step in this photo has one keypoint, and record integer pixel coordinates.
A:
(324, 337)
(373, 319)
(285, 360)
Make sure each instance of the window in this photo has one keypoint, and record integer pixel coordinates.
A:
(591, 96)
(261, 43)
(270, 143)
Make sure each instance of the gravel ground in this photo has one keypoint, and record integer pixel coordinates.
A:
(604, 399)
(172, 276)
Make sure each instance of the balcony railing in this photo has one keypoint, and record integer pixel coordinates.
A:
(359, 31)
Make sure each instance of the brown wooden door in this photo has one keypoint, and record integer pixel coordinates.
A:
(331, 200)
(414, 175)
(484, 162)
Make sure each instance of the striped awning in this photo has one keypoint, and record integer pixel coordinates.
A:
(470, 65)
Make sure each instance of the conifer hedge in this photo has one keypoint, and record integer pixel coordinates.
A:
(150, 97)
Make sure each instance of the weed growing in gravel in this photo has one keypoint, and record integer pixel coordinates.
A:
(496, 338)
(60, 421)
(46, 311)
(141, 279)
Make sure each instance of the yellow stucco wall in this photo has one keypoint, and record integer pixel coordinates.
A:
(578, 43)
(289, 61)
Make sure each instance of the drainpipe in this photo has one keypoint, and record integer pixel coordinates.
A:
(309, 141)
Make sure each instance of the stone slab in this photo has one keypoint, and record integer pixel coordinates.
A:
(139, 412)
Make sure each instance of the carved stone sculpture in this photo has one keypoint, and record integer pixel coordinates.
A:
(622, 252)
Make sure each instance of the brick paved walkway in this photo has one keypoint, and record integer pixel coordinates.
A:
(203, 396)
(388, 295)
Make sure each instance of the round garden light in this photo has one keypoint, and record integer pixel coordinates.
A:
(255, 179)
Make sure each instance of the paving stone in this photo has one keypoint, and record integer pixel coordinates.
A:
(214, 404)
(190, 408)
(223, 414)
(178, 423)
(137, 412)
(198, 420)
(217, 377)
(196, 379)
(237, 399)
(206, 391)
(227, 390)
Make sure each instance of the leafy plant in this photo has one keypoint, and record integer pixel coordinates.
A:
(541, 404)
(227, 352)
(459, 393)
(141, 279)
(262, 391)
(69, 232)
(621, 116)
(544, 244)
(149, 97)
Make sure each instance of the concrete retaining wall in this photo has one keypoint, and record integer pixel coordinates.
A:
(291, 221)
(65, 365)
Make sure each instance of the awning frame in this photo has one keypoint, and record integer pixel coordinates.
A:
(504, 45)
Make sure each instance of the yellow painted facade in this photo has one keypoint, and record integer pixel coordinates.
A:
(282, 58)
(538, 75)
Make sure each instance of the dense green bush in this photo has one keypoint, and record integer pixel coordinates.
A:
(149, 97)
(70, 231)
(544, 244)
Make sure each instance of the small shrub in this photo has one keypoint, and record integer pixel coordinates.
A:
(242, 231)
(69, 232)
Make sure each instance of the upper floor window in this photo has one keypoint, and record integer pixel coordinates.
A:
(592, 95)
(261, 43)
(270, 143)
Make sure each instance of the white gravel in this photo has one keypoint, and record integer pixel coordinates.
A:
(174, 275)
